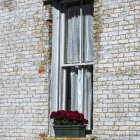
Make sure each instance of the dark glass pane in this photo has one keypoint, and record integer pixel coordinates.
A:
(87, 33)
(73, 35)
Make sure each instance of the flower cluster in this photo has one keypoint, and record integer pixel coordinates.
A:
(62, 117)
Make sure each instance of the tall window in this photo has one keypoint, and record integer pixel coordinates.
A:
(75, 58)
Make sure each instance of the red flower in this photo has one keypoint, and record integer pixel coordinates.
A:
(62, 117)
(76, 112)
(81, 116)
(85, 121)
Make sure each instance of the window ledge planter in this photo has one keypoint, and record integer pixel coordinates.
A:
(69, 130)
(53, 138)
(69, 123)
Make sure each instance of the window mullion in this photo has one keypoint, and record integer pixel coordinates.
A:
(64, 78)
(62, 44)
(62, 58)
(82, 89)
(61, 61)
(64, 88)
(81, 35)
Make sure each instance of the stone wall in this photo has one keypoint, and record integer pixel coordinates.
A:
(24, 69)
(117, 69)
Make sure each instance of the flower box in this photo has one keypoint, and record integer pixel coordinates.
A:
(69, 130)
(69, 123)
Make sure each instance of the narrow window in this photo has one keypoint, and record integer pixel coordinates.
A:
(72, 58)
(77, 59)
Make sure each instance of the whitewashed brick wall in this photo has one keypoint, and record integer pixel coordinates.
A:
(117, 69)
(25, 56)
(24, 69)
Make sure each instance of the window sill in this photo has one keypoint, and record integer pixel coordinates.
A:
(53, 138)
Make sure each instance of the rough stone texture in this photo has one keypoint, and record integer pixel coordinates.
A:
(117, 69)
(24, 69)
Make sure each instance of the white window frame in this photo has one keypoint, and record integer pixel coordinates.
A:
(58, 44)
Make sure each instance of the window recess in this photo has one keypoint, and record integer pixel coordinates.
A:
(76, 59)
(72, 57)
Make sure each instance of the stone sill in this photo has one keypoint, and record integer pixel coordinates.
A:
(53, 138)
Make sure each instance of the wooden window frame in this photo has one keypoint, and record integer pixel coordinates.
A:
(58, 45)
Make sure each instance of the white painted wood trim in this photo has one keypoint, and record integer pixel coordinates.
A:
(64, 88)
(54, 94)
(55, 97)
(55, 60)
(80, 35)
(77, 64)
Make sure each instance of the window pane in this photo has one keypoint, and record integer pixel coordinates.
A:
(73, 35)
(72, 89)
(88, 33)
(87, 96)
(79, 90)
